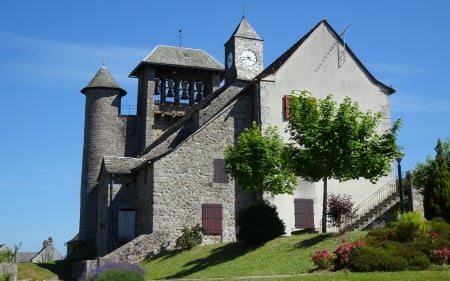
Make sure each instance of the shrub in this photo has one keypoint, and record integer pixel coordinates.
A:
(441, 256)
(323, 259)
(340, 210)
(376, 259)
(344, 252)
(411, 226)
(115, 271)
(191, 237)
(420, 262)
(259, 223)
(414, 253)
(440, 234)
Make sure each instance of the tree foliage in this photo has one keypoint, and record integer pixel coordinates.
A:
(422, 171)
(433, 178)
(340, 142)
(258, 162)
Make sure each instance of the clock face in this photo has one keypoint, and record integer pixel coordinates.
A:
(230, 60)
(248, 57)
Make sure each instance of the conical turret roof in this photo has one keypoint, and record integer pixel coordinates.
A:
(103, 79)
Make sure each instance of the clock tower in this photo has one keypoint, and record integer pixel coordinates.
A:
(243, 53)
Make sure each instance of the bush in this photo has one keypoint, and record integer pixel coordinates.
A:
(323, 259)
(345, 252)
(340, 210)
(441, 256)
(191, 237)
(411, 226)
(115, 271)
(259, 223)
(376, 259)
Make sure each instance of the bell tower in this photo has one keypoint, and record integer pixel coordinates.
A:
(243, 53)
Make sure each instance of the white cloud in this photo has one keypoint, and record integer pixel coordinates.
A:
(54, 62)
(410, 103)
(392, 69)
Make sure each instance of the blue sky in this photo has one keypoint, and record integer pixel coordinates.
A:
(49, 50)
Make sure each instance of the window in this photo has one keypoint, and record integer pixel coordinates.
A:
(127, 225)
(219, 174)
(304, 213)
(212, 219)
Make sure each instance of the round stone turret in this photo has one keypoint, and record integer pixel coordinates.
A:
(101, 132)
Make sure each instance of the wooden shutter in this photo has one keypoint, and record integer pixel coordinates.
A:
(127, 225)
(212, 219)
(304, 213)
(219, 174)
(286, 107)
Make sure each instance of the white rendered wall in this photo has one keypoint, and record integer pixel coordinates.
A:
(314, 67)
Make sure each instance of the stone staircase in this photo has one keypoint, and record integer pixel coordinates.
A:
(373, 207)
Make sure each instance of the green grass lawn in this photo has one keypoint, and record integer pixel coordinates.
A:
(285, 258)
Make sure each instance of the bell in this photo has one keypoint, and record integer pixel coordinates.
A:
(157, 87)
(184, 94)
(171, 83)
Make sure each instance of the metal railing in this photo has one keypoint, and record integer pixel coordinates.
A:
(375, 199)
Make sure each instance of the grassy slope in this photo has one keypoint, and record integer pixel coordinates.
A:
(285, 256)
(282, 256)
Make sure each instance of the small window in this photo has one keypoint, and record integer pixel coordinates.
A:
(304, 213)
(212, 219)
(219, 175)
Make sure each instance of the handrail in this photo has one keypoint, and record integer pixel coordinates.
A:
(375, 199)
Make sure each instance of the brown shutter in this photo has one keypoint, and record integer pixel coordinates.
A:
(219, 175)
(286, 107)
(212, 219)
(304, 213)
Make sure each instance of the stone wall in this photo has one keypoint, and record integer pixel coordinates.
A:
(115, 192)
(183, 179)
(139, 249)
(9, 268)
(135, 251)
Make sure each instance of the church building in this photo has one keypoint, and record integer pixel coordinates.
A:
(148, 175)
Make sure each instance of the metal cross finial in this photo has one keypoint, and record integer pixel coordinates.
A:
(179, 36)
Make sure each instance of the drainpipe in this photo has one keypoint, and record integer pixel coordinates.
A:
(110, 212)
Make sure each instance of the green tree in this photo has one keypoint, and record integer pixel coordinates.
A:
(338, 142)
(422, 172)
(436, 185)
(258, 162)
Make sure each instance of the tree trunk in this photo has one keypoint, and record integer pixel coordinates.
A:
(324, 207)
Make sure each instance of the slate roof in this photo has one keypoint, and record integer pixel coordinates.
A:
(103, 79)
(25, 256)
(121, 165)
(176, 134)
(245, 30)
(177, 56)
(274, 66)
